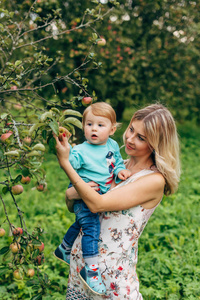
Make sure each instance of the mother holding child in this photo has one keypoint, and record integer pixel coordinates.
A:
(152, 145)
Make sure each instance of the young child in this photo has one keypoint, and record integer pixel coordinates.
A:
(98, 159)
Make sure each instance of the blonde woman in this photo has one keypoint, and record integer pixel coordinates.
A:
(152, 145)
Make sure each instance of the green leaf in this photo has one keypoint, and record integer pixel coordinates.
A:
(5, 189)
(72, 113)
(70, 128)
(33, 153)
(36, 243)
(25, 172)
(4, 250)
(46, 278)
(3, 116)
(18, 62)
(17, 179)
(38, 297)
(73, 121)
(46, 115)
(55, 110)
(35, 127)
(12, 153)
(52, 145)
(44, 134)
(32, 282)
(54, 126)
(3, 270)
(39, 147)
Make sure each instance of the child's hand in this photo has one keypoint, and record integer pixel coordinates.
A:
(124, 174)
(62, 148)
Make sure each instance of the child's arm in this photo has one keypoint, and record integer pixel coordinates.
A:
(124, 174)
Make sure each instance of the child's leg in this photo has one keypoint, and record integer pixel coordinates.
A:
(90, 274)
(63, 251)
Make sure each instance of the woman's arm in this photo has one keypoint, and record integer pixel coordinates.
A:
(146, 191)
(72, 195)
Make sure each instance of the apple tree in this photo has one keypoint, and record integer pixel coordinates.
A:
(31, 111)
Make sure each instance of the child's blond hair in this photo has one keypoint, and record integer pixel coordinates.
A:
(101, 109)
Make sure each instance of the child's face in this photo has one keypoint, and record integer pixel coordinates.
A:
(97, 129)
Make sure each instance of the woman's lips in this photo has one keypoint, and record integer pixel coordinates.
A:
(129, 147)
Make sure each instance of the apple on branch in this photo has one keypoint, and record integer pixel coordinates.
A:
(25, 180)
(86, 101)
(17, 189)
(17, 231)
(17, 275)
(101, 42)
(63, 130)
(15, 247)
(30, 273)
(2, 232)
(27, 140)
(41, 186)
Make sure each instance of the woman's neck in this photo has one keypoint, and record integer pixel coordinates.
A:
(135, 164)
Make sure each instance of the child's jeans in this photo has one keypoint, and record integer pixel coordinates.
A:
(90, 225)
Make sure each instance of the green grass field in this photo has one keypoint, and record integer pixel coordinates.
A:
(169, 258)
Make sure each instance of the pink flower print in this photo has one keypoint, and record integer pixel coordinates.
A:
(112, 285)
(128, 290)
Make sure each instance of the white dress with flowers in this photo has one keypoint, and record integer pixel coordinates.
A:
(118, 253)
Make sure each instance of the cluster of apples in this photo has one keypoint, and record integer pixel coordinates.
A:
(15, 248)
(18, 189)
(19, 275)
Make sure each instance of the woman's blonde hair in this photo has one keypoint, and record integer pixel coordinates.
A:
(161, 133)
(101, 109)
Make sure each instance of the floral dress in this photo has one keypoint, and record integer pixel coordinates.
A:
(118, 253)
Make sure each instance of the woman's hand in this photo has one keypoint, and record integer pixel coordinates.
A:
(62, 148)
(94, 185)
(72, 195)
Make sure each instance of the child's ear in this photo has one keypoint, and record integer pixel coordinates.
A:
(113, 129)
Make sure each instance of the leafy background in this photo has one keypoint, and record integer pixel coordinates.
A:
(168, 265)
(151, 54)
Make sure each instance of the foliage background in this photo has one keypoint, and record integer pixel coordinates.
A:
(151, 54)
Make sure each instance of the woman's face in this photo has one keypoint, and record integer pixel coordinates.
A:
(136, 143)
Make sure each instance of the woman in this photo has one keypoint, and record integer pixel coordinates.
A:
(152, 145)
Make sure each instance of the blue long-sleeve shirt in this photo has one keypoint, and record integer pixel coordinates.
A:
(98, 163)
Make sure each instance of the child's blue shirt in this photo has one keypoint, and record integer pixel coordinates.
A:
(98, 163)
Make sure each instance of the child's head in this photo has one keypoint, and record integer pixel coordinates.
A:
(99, 122)
(101, 109)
